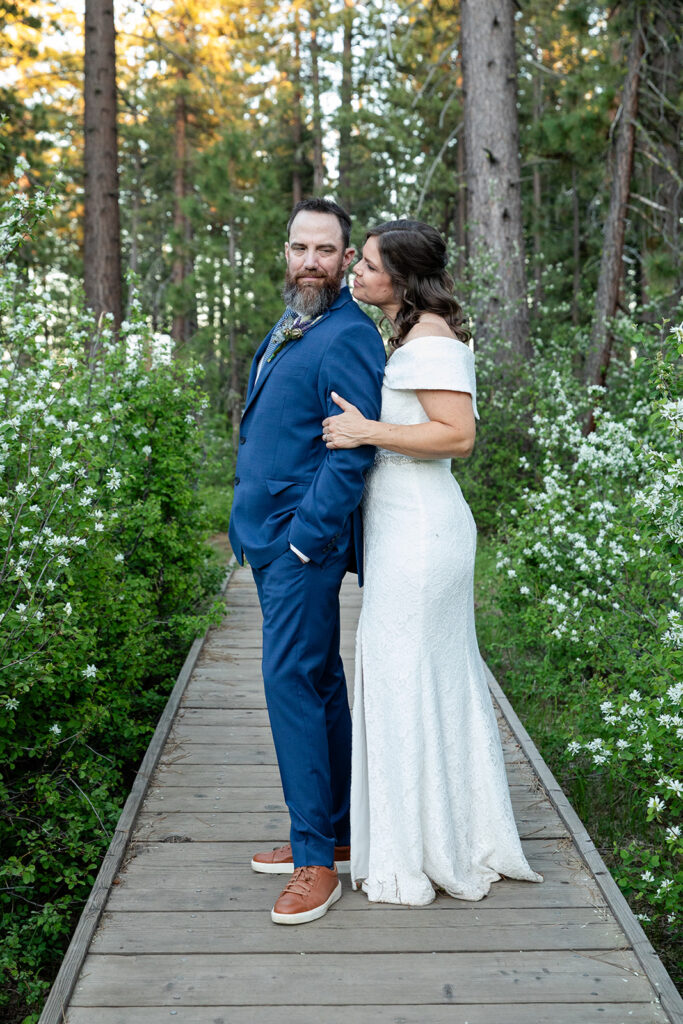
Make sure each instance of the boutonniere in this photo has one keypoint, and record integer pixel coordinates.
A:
(296, 330)
(292, 333)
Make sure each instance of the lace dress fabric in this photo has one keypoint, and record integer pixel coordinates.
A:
(430, 804)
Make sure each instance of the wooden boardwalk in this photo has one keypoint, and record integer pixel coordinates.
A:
(186, 933)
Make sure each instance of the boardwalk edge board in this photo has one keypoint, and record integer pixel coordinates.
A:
(654, 969)
(54, 1011)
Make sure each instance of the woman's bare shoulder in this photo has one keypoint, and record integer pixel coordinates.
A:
(434, 327)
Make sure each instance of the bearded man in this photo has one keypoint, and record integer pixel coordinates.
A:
(296, 517)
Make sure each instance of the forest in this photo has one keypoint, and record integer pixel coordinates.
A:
(149, 158)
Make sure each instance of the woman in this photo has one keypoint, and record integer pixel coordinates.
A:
(430, 804)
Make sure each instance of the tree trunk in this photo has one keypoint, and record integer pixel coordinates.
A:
(234, 392)
(537, 189)
(609, 279)
(184, 319)
(494, 220)
(318, 165)
(102, 230)
(460, 204)
(346, 113)
(135, 212)
(297, 128)
(663, 119)
(538, 269)
(133, 256)
(576, 243)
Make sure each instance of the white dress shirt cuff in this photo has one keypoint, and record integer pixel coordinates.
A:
(302, 556)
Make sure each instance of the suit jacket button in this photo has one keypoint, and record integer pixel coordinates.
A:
(242, 440)
(237, 480)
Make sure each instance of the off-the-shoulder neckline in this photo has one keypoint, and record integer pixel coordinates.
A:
(434, 337)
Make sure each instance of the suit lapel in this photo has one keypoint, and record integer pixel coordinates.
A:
(260, 352)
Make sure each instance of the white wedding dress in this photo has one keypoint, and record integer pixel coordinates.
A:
(430, 804)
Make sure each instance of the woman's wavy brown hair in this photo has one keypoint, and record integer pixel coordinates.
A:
(414, 256)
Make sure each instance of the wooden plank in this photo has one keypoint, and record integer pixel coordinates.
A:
(233, 697)
(231, 662)
(251, 799)
(191, 799)
(222, 735)
(223, 684)
(235, 718)
(186, 732)
(166, 855)
(261, 826)
(214, 861)
(343, 979)
(226, 891)
(659, 977)
(220, 753)
(219, 672)
(521, 1013)
(181, 773)
(178, 751)
(385, 930)
(72, 963)
(238, 635)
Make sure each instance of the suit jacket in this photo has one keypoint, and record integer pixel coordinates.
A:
(289, 488)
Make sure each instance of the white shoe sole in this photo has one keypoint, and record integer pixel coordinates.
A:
(308, 915)
(343, 868)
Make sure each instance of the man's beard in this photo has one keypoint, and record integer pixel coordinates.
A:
(312, 299)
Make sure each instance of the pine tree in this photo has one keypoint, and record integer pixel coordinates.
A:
(493, 171)
(101, 246)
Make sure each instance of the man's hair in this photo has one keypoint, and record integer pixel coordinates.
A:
(324, 206)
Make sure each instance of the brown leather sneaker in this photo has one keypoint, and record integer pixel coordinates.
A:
(281, 862)
(308, 895)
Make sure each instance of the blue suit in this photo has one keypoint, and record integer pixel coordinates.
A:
(289, 489)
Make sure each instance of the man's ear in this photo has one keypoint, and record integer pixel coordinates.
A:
(348, 256)
(286, 250)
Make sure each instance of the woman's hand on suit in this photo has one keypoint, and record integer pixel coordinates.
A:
(348, 429)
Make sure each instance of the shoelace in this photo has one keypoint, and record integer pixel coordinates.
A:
(301, 881)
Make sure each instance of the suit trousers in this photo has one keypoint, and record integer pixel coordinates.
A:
(307, 699)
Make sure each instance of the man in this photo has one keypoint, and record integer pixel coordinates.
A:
(296, 517)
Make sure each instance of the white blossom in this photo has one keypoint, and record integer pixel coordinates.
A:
(113, 479)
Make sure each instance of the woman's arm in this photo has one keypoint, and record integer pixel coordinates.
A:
(449, 434)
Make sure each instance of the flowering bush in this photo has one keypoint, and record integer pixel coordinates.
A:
(589, 591)
(104, 581)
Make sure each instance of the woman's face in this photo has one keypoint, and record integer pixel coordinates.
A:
(371, 282)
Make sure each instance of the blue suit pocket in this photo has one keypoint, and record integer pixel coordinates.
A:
(277, 486)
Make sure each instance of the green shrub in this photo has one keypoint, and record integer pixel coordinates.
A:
(105, 578)
(590, 630)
